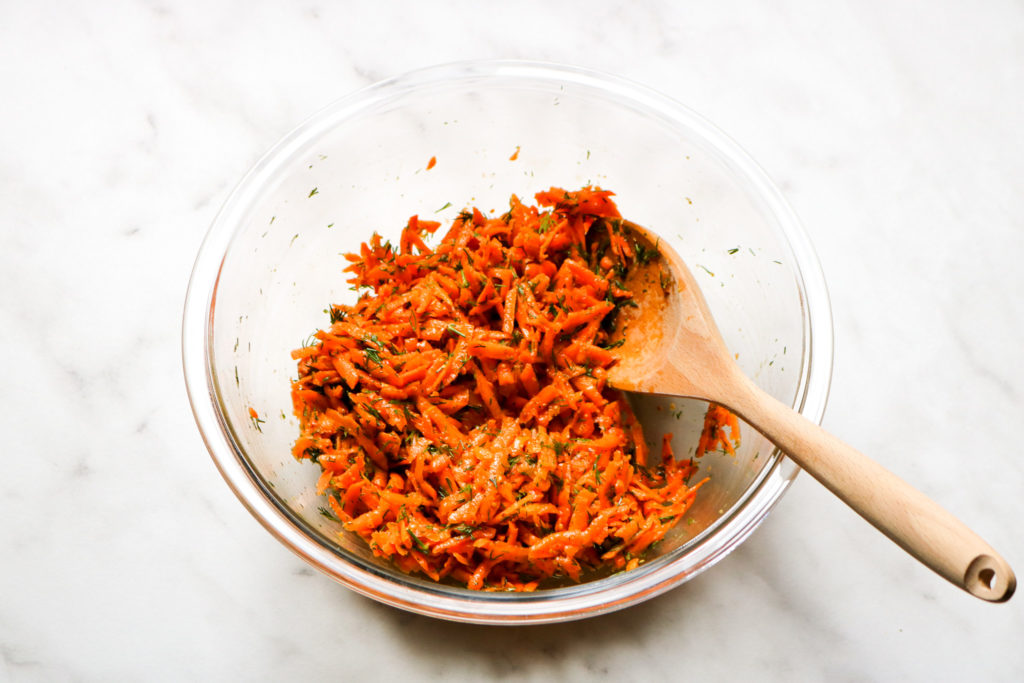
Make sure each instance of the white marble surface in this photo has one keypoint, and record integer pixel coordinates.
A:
(893, 128)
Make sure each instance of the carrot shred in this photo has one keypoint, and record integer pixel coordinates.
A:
(713, 436)
(459, 410)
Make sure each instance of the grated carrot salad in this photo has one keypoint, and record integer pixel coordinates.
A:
(459, 412)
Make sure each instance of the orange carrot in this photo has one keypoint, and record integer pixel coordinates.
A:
(459, 412)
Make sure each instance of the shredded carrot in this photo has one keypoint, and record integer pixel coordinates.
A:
(431, 163)
(459, 410)
(713, 436)
(254, 417)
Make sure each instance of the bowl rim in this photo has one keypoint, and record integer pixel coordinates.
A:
(544, 606)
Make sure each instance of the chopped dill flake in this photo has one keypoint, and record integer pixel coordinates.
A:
(328, 514)
(336, 314)
(373, 356)
(644, 253)
(423, 547)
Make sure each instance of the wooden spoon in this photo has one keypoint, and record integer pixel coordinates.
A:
(671, 346)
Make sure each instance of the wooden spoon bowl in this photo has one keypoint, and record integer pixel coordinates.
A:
(671, 346)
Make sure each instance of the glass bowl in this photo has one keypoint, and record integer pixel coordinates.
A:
(270, 266)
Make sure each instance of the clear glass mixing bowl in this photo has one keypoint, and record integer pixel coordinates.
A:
(271, 264)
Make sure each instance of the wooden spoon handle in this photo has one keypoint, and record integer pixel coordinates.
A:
(908, 517)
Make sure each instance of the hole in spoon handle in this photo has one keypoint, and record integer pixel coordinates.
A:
(987, 579)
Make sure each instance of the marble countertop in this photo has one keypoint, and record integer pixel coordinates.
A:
(894, 129)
